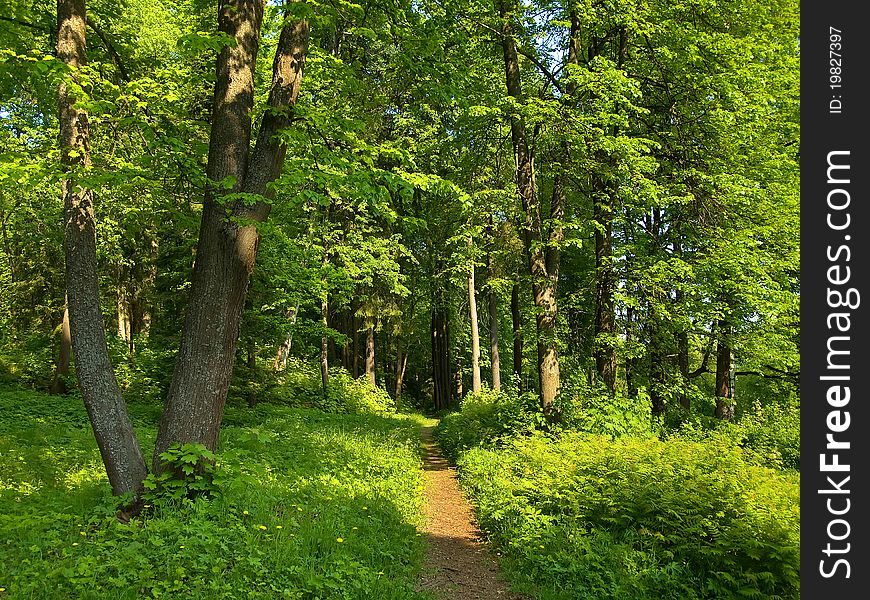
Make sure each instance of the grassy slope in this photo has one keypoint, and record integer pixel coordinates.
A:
(314, 506)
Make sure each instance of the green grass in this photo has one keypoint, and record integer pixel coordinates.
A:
(313, 505)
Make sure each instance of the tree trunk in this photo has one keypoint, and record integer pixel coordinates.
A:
(475, 334)
(370, 355)
(517, 325)
(324, 344)
(58, 385)
(252, 372)
(111, 423)
(683, 363)
(495, 359)
(724, 391)
(355, 345)
(630, 363)
(605, 285)
(440, 355)
(283, 353)
(401, 365)
(543, 282)
(227, 250)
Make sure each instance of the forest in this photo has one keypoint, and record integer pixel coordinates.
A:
(274, 273)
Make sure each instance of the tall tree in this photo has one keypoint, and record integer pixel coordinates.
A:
(113, 429)
(227, 245)
(543, 283)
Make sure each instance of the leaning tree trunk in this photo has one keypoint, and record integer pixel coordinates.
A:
(227, 248)
(112, 427)
(724, 390)
(475, 334)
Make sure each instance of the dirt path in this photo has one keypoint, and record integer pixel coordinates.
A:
(458, 566)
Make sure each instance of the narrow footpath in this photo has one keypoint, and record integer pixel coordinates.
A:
(458, 566)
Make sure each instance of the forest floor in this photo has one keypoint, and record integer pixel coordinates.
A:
(457, 566)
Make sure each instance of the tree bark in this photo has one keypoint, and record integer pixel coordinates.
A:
(440, 355)
(475, 334)
(495, 359)
(605, 285)
(543, 281)
(58, 385)
(324, 344)
(724, 390)
(111, 423)
(283, 352)
(517, 326)
(401, 365)
(370, 355)
(227, 249)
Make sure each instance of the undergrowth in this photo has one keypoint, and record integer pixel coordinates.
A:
(597, 506)
(309, 505)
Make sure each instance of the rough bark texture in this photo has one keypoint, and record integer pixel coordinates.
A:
(58, 385)
(227, 249)
(113, 430)
(475, 333)
(724, 391)
(543, 283)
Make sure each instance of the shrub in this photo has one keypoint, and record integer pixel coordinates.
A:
(591, 517)
(300, 386)
(485, 418)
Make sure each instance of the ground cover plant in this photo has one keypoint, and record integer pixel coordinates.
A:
(307, 505)
(582, 515)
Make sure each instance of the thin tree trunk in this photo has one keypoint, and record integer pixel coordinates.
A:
(724, 390)
(495, 359)
(401, 365)
(283, 353)
(252, 372)
(630, 363)
(227, 250)
(517, 325)
(683, 363)
(605, 285)
(58, 385)
(370, 355)
(111, 423)
(475, 334)
(440, 355)
(324, 345)
(355, 345)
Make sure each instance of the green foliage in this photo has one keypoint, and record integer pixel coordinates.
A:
(190, 472)
(300, 386)
(590, 517)
(486, 418)
(313, 505)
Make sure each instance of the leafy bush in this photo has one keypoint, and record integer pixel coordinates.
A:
(487, 417)
(591, 517)
(300, 386)
(190, 473)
